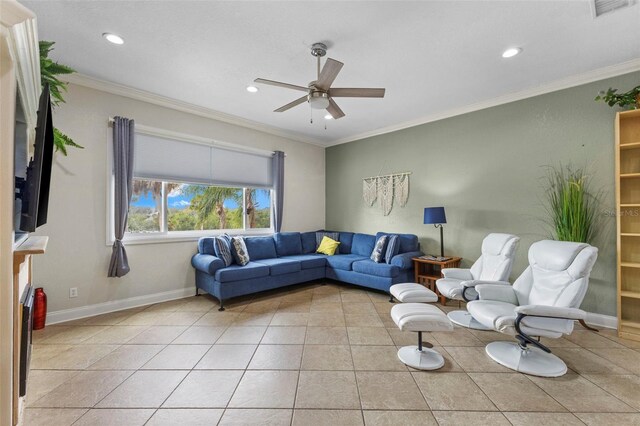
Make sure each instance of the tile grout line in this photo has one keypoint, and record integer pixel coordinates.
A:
(242, 308)
(355, 376)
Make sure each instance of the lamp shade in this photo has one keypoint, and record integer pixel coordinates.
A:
(434, 215)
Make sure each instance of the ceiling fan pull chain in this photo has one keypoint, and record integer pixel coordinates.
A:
(311, 114)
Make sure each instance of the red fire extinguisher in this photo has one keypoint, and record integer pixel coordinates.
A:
(39, 309)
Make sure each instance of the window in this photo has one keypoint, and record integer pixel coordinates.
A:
(161, 207)
(186, 187)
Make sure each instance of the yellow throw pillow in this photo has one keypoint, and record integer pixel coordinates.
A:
(328, 246)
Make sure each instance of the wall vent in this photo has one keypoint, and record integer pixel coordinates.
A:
(601, 7)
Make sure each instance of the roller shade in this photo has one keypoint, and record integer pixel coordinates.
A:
(173, 160)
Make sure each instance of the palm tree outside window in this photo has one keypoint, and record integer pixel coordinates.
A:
(165, 207)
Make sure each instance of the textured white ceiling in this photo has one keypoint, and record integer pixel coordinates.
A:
(431, 56)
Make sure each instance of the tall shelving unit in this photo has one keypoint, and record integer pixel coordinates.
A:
(628, 224)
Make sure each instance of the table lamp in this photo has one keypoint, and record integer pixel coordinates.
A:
(435, 216)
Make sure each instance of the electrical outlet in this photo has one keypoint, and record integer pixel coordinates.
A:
(73, 292)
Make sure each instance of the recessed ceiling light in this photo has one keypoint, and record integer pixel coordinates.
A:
(252, 89)
(511, 52)
(112, 38)
(328, 117)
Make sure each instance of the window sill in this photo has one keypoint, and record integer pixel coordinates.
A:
(185, 236)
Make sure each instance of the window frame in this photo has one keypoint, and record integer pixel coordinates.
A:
(166, 236)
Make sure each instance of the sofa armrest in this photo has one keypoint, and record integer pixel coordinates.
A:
(403, 260)
(206, 263)
(551, 312)
(457, 273)
(497, 292)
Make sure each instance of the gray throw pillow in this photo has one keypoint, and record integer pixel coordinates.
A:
(377, 255)
(222, 249)
(240, 251)
(393, 248)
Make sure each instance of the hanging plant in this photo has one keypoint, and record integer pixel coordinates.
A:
(629, 100)
(48, 72)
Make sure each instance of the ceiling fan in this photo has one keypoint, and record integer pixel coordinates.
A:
(320, 94)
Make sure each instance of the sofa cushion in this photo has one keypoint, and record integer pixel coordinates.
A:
(261, 247)
(370, 267)
(408, 242)
(281, 266)
(288, 243)
(309, 261)
(363, 244)
(343, 261)
(346, 240)
(237, 272)
(308, 240)
(205, 245)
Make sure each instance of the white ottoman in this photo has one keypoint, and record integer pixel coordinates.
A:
(412, 293)
(419, 317)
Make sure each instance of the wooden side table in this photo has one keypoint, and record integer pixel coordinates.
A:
(427, 272)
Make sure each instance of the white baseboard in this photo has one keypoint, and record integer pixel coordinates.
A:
(116, 305)
(603, 321)
(597, 320)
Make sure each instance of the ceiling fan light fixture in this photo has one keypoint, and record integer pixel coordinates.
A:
(113, 38)
(318, 100)
(252, 89)
(328, 117)
(511, 52)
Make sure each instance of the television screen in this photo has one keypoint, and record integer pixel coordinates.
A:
(34, 191)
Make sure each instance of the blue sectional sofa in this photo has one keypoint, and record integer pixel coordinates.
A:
(288, 258)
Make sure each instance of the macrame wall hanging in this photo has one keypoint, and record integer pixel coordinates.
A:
(401, 185)
(370, 191)
(385, 189)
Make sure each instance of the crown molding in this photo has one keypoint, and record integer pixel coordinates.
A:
(163, 101)
(565, 83)
(141, 95)
(14, 13)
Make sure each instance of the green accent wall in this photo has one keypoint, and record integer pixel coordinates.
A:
(487, 168)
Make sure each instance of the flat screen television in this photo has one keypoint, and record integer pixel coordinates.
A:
(33, 191)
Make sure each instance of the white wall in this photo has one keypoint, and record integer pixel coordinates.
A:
(78, 256)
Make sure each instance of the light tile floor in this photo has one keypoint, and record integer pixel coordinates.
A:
(309, 355)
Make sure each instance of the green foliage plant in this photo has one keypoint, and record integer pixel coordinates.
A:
(49, 70)
(628, 100)
(572, 204)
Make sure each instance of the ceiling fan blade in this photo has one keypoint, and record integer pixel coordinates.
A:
(291, 104)
(328, 74)
(334, 110)
(356, 93)
(281, 84)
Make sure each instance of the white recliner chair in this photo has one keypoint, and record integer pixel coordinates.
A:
(492, 267)
(543, 302)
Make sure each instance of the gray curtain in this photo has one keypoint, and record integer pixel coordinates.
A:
(278, 186)
(123, 131)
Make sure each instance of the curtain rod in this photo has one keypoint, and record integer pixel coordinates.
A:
(154, 131)
(389, 175)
